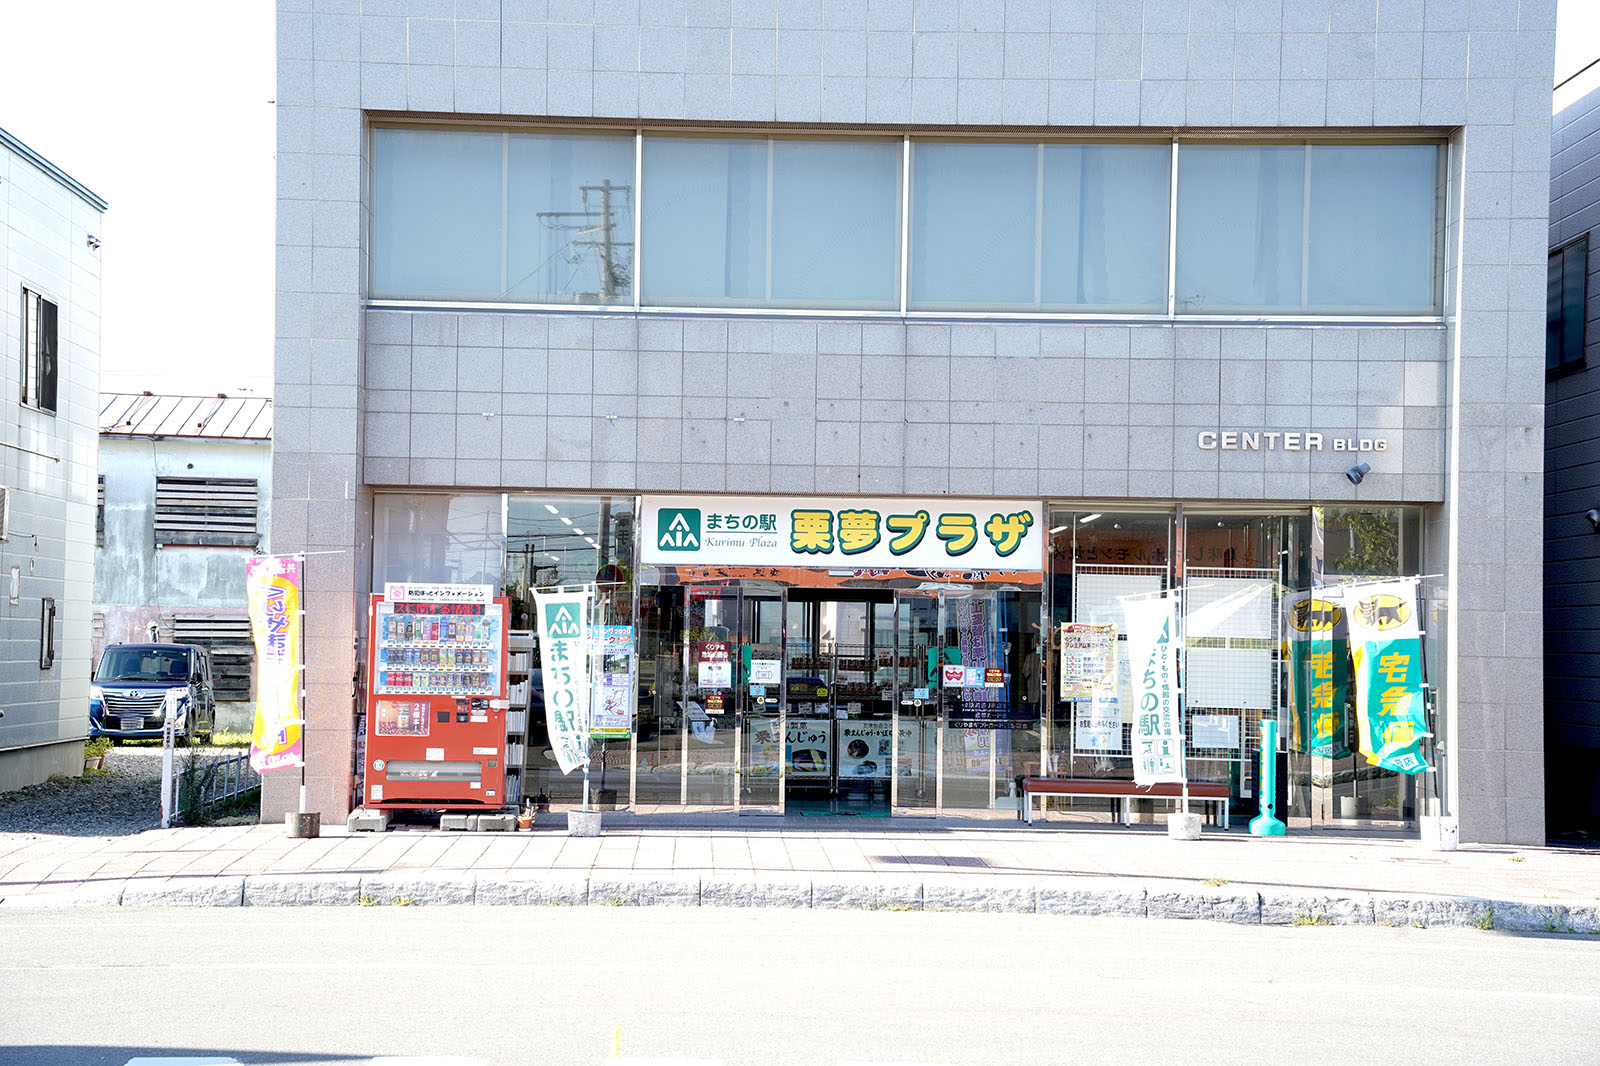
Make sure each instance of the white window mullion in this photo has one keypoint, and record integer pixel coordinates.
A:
(905, 224)
(1172, 236)
(1038, 228)
(638, 214)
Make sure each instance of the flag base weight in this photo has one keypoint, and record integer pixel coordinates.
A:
(302, 826)
(1183, 826)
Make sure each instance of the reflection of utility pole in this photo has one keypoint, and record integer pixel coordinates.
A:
(598, 227)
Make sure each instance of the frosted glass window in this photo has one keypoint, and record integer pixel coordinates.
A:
(436, 214)
(1104, 238)
(523, 218)
(1374, 222)
(974, 226)
(569, 219)
(1241, 225)
(779, 223)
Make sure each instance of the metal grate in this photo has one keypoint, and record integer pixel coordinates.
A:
(211, 511)
(1231, 659)
(232, 650)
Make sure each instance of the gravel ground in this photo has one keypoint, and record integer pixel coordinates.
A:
(125, 798)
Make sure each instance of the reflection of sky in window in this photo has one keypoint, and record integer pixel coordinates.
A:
(567, 545)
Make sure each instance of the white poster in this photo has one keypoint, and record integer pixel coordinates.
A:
(1152, 625)
(1088, 654)
(866, 749)
(1097, 721)
(564, 640)
(834, 532)
(766, 671)
(1229, 632)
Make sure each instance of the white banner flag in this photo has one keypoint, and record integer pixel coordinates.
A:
(564, 661)
(1152, 624)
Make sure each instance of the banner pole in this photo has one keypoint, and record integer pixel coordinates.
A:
(300, 561)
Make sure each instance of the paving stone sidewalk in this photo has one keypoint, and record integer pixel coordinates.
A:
(1305, 878)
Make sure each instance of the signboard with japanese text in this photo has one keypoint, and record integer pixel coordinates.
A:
(1319, 672)
(807, 747)
(866, 748)
(766, 748)
(420, 592)
(842, 532)
(1391, 715)
(1088, 654)
(273, 585)
(714, 665)
(612, 717)
(564, 640)
(1152, 625)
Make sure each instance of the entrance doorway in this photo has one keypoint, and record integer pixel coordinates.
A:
(776, 698)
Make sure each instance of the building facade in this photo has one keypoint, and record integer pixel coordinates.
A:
(1106, 300)
(50, 227)
(1572, 481)
(185, 498)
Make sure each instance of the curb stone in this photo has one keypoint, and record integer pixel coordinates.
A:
(1529, 916)
(1221, 903)
(532, 889)
(1464, 911)
(1296, 907)
(954, 894)
(643, 890)
(417, 889)
(301, 890)
(729, 890)
(185, 892)
(1094, 897)
(865, 892)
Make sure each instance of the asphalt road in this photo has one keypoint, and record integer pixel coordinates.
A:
(558, 985)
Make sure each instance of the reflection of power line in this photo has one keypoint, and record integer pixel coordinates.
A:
(594, 229)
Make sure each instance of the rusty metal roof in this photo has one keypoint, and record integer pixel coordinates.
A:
(219, 417)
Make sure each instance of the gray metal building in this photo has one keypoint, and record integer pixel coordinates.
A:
(1572, 477)
(545, 252)
(50, 228)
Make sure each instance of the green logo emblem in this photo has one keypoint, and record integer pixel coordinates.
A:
(678, 529)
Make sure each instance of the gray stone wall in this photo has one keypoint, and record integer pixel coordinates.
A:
(1099, 410)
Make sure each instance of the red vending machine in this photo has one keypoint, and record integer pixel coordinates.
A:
(436, 698)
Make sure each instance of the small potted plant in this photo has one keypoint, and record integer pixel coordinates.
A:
(94, 754)
(525, 816)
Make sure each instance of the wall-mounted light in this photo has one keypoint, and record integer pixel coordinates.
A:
(1357, 472)
(1593, 516)
(91, 240)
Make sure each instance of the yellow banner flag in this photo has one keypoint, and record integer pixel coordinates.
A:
(273, 586)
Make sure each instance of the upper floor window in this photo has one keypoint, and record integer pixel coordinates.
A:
(1566, 305)
(925, 224)
(215, 511)
(1308, 229)
(39, 348)
(502, 217)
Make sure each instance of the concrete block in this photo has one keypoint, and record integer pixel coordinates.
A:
(460, 822)
(302, 890)
(1424, 911)
(1288, 906)
(184, 892)
(1546, 916)
(69, 894)
(865, 892)
(495, 823)
(583, 823)
(388, 889)
(362, 820)
(1095, 896)
(644, 890)
(732, 890)
(957, 893)
(532, 888)
(1221, 903)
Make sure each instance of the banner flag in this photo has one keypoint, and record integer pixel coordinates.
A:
(1319, 673)
(272, 586)
(1391, 716)
(564, 660)
(1152, 625)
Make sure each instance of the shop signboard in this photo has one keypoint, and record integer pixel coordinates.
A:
(807, 746)
(866, 749)
(1391, 717)
(1088, 654)
(1152, 660)
(612, 717)
(273, 588)
(564, 639)
(832, 532)
(1319, 672)
(714, 664)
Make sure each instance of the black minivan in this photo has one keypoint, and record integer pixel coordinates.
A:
(138, 685)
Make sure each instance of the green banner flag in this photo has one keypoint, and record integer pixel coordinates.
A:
(1319, 674)
(1391, 714)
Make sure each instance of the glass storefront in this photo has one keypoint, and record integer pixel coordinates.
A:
(870, 692)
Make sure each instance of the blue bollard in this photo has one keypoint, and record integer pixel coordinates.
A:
(1266, 824)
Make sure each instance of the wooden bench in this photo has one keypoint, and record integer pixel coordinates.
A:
(1122, 790)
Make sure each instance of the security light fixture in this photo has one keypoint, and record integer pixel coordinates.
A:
(1593, 516)
(1357, 472)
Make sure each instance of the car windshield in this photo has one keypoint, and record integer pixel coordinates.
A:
(143, 664)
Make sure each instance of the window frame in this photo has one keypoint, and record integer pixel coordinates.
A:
(1566, 362)
(1171, 314)
(41, 352)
